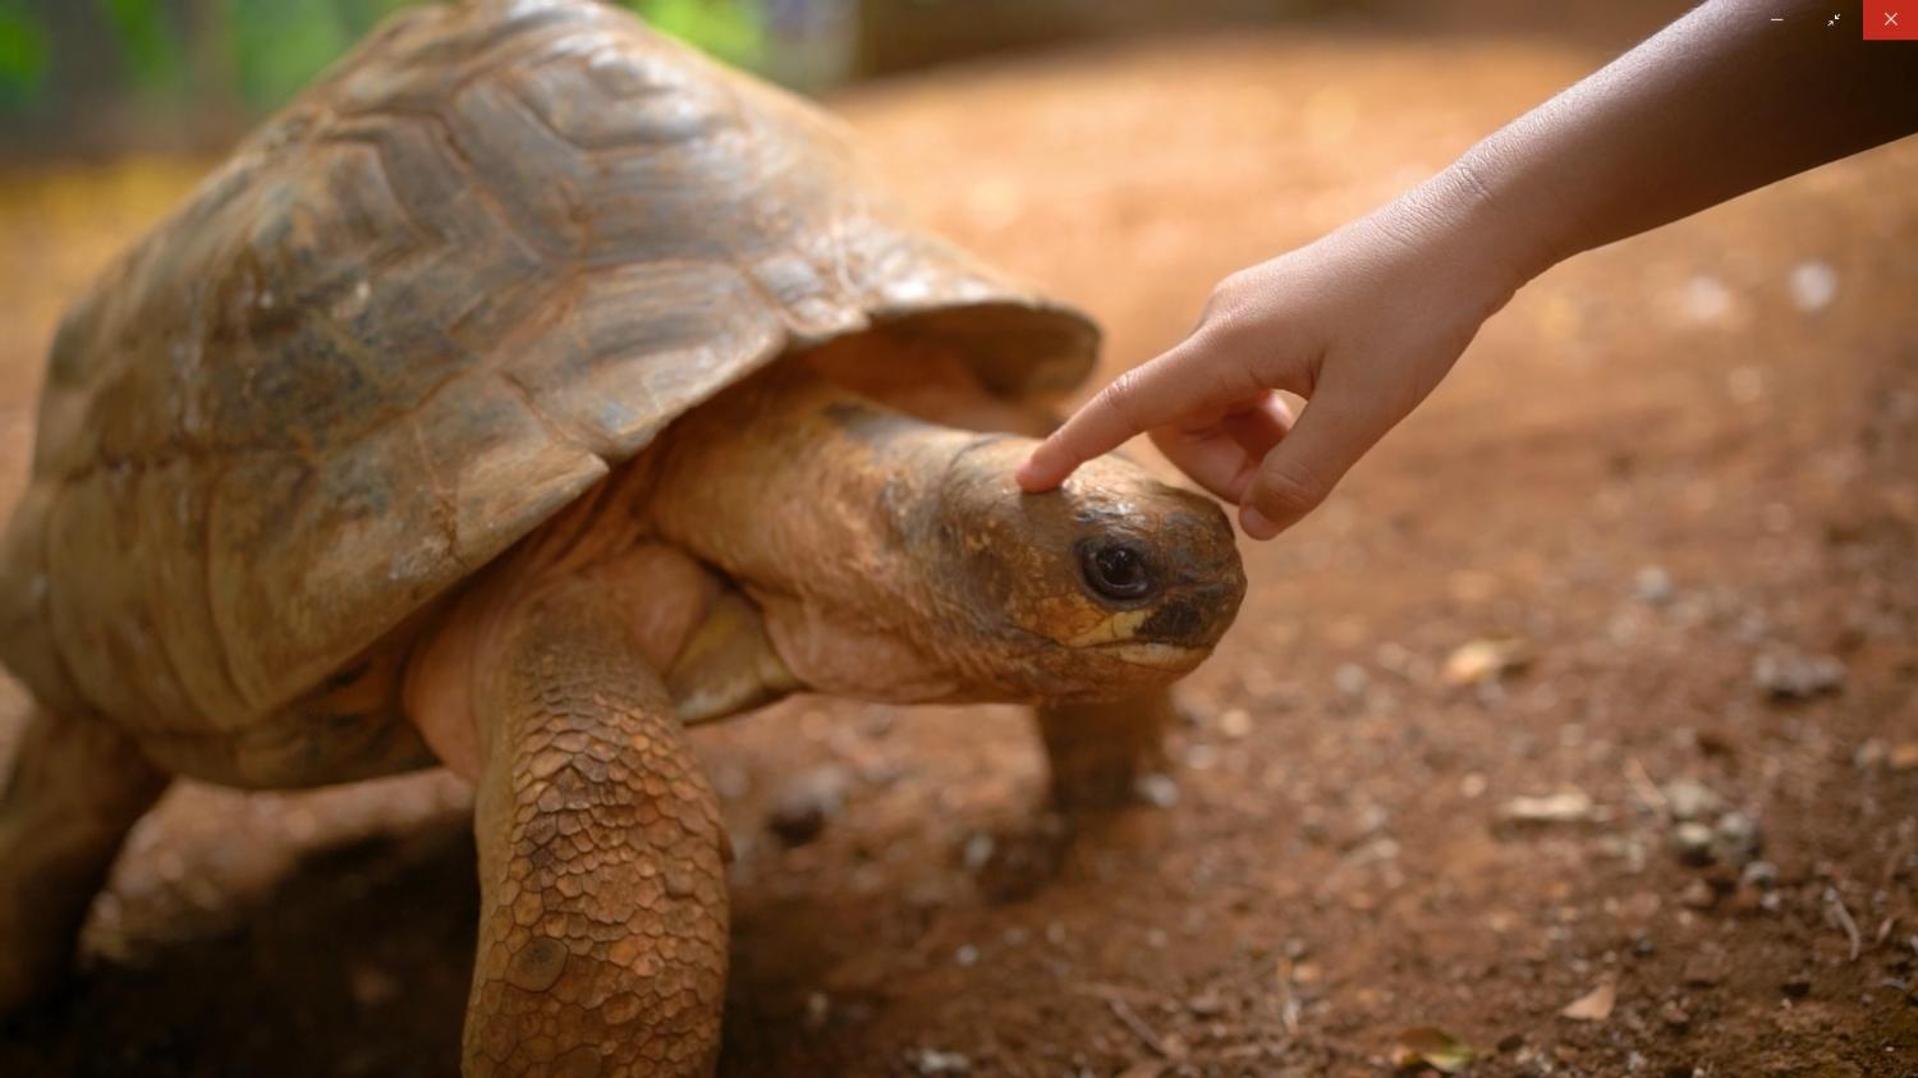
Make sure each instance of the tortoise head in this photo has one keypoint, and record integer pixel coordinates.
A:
(903, 563)
(1113, 583)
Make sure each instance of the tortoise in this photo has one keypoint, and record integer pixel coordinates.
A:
(528, 390)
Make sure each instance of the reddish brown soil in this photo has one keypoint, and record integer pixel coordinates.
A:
(1334, 871)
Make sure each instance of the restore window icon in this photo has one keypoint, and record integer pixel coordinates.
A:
(1891, 20)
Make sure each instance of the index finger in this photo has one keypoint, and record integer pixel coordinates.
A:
(1144, 397)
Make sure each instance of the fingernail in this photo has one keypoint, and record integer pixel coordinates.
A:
(1256, 525)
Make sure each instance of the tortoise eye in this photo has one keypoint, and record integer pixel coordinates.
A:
(1116, 570)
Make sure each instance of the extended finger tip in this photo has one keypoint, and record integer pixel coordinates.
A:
(1256, 524)
(1038, 475)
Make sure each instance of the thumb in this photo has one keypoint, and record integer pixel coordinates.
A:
(1300, 472)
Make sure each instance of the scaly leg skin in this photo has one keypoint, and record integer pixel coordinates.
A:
(1098, 752)
(602, 941)
(77, 787)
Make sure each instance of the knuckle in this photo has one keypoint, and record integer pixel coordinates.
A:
(1123, 393)
(1290, 487)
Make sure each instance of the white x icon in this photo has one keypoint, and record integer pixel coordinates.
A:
(1891, 18)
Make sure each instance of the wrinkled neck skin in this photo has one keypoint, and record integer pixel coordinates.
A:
(814, 501)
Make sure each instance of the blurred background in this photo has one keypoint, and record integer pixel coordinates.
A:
(1577, 735)
(94, 77)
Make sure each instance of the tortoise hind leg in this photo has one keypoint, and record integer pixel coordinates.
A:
(77, 787)
(1098, 752)
(602, 942)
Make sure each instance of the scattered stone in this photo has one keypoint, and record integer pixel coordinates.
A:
(977, 852)
(1706, 301)
(1156, 788)
(1796, 987)
(818, 1011)
(967, 955)
(1486, 660)
(1692, 842)
(1736, 840)
(1674, 1016)
(1871, 755)
(1813, 284)
(1704, 969)
(1564, 807)
(930, 1061)
(1235, 723)
(1205, 1005)
(1688, 799)
(1653, 586)
(805, 803)
(1762, 875)
(1698, 895)
(1790, 675)
(1351, 679)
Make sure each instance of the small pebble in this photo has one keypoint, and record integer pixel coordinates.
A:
(1674, 1017)
(932, 1061)
(1692, 842)
(977, 853)
(1157, 789)
(1351, 679)
(1688, 799)
(1653, 586)
(1698, 895)
(1762, 875)
(1235, 723)
(1736, 840)
(1788, 676)
(1205, 1005)
(818, 1010)
(1813, 285)
(967, 955)
(805, 803)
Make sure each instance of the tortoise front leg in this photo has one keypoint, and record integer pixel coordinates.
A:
(602, 939)
(78, 786)
(1098, 752)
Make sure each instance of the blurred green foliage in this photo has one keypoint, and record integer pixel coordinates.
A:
(23, 54)
(259, 52)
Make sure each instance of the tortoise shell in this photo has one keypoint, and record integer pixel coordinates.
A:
(479, 264)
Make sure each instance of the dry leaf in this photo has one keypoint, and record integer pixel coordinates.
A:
(1484, 660)
(1593, 1006)
(1429, 1046)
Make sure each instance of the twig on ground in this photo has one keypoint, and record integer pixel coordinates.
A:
(1647, 790)
(1131, 1020)
(1836, 911)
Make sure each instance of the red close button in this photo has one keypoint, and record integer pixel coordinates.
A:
(1891, 20)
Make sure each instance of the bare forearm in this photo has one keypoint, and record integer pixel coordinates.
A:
(1365, 321)
(1721, 102)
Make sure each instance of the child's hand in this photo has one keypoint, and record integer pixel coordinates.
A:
(1363, 323)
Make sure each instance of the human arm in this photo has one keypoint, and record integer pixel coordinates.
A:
(1366, 321)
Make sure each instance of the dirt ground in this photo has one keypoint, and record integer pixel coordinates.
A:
(1675, 483)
